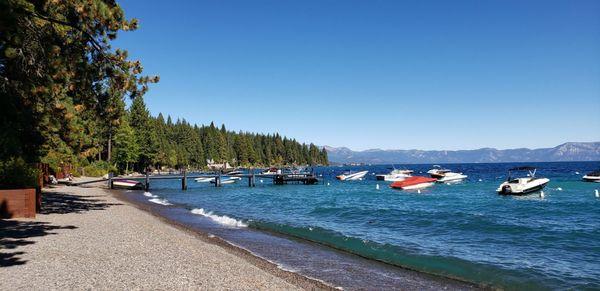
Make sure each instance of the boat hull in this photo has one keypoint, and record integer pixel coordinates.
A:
(352, 177)
(411, 183)
(502, 190)
(588, 178)
(127, 184)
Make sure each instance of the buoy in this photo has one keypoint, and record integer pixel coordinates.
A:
(559, 189)
(419, 191)
(261, 180)
(328, 184)
(480, 180)
(576, 173)
(377, 187)
(597, 194)
(541, 194)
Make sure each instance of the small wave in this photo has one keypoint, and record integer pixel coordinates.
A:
(160, 201)
(225, 220)
(148, 194)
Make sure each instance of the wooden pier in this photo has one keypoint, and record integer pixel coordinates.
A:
(278, 179)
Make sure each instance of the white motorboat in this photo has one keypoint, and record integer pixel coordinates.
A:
(352, 176)
(592, 177)
(271, 171)
(204, 179)
(445, 175)
(395, 175)
(451, 177)
(520, 186)
(225, 181)
(127, 184)
(437, 172)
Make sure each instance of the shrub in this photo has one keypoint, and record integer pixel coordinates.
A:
(98, 169)
(16, 174)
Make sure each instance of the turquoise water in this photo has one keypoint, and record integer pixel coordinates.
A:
(463, 230)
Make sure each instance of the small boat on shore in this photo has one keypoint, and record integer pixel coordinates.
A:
(352, 176)
(415, 182)
(394, 175)
(127, 184)
(592, 177)
(524, 185)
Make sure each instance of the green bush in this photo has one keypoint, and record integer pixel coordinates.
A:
(16, 174)
(98, 169)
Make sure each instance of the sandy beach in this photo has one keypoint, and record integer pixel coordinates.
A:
(86, 238)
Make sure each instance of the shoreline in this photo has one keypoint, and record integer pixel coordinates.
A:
(87, 238)
(432, 281)
(291, 277)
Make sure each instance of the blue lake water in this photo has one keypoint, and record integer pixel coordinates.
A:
(463, 230)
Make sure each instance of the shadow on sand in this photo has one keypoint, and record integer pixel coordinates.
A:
(17, 233)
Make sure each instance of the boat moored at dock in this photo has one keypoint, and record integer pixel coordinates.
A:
(127, 184)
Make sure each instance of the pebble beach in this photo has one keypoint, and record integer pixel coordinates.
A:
(86, 238)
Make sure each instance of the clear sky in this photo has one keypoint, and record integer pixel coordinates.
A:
(377, 74)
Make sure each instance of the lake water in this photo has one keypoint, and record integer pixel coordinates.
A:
(463, 230)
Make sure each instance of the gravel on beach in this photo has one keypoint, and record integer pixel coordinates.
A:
(87, 239)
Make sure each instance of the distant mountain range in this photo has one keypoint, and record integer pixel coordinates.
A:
(570, 151)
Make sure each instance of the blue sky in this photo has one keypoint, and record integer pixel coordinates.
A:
(377, 74)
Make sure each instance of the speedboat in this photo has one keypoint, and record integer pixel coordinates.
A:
(395, 175)
(351, 176)
(270, 171)
(592, 177)
(224, 181)
(445, 175)
(204, 179)
(451, 177)
(127, 184)
(416, 182)
(524, 185)
(437, 172)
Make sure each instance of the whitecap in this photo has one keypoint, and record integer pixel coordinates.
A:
(160, 201)
(224, 220)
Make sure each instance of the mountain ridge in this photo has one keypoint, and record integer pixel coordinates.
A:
(568, 151)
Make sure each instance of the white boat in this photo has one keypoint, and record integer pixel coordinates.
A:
(352, 176)
(225, 181)
(524, 185)
(204, 179)
(127, 184)
(445, 175)
(270, 171)
(437, 172)
(395, 175)
(451, 177)
(234, 178)
(592, 177)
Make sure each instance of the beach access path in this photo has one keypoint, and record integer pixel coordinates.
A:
(88, 239)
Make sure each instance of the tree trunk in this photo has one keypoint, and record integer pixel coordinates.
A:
(109, 144)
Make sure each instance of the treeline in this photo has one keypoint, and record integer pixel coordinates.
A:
(62, 101)
(143, 140)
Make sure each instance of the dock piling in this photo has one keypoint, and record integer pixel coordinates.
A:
(110, 180)
(147, 183)
(184, 180)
